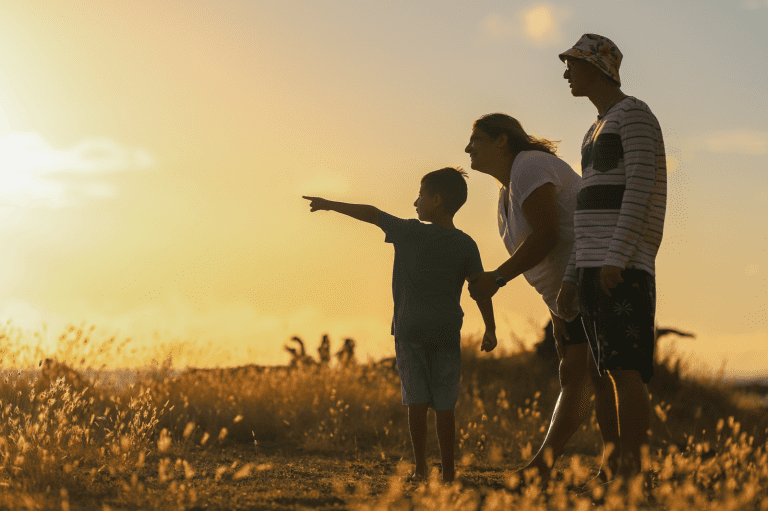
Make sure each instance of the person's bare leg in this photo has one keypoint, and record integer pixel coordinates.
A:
(634, 419)
(571, 409)
(446, 437)
(606, 413)
(417, 423)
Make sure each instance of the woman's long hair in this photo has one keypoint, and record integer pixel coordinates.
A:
(496, 124)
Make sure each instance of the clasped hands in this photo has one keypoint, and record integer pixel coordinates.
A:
(482, 286)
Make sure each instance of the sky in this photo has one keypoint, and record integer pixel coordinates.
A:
(153, 156)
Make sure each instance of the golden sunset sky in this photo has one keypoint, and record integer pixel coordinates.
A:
(153, 156)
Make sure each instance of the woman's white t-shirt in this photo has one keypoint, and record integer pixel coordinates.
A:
(530, 170)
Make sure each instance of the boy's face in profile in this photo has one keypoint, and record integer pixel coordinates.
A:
(427, 205)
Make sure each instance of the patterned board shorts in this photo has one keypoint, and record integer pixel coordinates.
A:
(621, 327)
(428, 374)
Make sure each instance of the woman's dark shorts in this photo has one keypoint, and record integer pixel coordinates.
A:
(621, 327)
(575, 331)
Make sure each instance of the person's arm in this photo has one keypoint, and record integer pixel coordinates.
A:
(640, 136)
(489, 337)
(540, 210)
(361, 212)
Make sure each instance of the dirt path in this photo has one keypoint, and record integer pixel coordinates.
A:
(239, 478)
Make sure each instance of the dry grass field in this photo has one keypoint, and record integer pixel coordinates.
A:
(334, 436)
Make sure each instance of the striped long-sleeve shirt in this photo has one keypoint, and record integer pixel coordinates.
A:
(619, 217)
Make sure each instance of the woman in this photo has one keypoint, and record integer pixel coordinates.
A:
(535, 215)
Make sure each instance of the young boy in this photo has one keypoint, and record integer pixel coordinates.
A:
(432, 261)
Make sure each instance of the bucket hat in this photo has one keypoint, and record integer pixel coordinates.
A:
(597, 50)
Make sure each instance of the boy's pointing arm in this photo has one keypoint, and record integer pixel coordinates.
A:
(361, 212)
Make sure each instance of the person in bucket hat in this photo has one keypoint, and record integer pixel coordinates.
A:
(618, 226)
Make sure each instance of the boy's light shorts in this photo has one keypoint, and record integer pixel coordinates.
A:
(428, 375)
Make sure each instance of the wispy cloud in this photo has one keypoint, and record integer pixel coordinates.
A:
(33, 172)
(540, 24)
(742, 141)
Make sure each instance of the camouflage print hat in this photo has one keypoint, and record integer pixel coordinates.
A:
(597, 50)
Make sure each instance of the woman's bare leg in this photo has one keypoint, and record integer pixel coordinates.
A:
(571, 409)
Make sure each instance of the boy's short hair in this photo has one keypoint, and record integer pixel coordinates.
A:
(451, 184)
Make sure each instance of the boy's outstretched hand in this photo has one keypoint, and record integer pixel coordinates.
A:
(489, 341)
(317, 203)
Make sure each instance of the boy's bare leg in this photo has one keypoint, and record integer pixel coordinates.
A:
(446, 437)
(417, 423)
(634, 419)
(571, 409)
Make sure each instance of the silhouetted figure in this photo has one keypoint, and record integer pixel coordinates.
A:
(299, 357)
(432, 261)
(346, 355)
(324, 351)
(535, 212)
(618, 226)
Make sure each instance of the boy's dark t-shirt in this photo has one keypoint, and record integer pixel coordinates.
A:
(431, 265)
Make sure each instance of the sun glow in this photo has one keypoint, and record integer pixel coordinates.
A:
(32, 168)
(538, 22)
(542, 24)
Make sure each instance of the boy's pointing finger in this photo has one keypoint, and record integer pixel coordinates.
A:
(316, 203)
